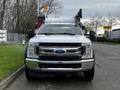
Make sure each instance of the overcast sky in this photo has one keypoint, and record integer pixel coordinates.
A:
(90, 7)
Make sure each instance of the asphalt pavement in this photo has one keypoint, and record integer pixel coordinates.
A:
(107, 75)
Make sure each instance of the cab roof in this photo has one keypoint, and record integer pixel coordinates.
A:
(60, 21)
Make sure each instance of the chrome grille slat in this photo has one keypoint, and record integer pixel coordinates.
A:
(49, 51)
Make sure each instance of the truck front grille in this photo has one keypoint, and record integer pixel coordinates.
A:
(72, 51)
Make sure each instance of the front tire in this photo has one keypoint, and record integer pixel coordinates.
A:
(27, 74)
(89, 75)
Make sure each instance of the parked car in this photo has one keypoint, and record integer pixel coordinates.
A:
(61, 47)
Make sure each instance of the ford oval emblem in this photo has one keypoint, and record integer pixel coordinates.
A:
(59, 51)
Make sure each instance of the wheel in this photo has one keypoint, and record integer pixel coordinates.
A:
(27, 74)
(89, 75)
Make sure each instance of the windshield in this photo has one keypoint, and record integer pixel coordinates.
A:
(60, 29)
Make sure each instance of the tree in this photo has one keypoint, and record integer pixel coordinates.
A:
(20, 15)
(2, 13)
(55, 7)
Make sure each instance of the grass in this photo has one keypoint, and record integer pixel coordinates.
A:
(11, 58)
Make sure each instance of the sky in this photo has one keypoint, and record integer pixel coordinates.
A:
(91, 8)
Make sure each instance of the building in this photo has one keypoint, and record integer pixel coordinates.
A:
(115, 32)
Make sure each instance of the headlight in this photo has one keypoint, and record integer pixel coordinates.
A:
(31, 50)
(87, 51)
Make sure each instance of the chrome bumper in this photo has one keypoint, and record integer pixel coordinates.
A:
(33, 64)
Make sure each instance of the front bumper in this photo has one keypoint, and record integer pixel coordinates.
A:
(34, 64)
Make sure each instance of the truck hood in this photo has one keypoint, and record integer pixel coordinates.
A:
(60, 39)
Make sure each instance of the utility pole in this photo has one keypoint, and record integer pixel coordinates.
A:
(96, 25)
(110, 26)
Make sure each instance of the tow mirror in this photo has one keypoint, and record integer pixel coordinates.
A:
(83, 27)
(87, 35)
(30, 34)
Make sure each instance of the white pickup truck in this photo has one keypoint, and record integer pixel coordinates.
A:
(59, 46)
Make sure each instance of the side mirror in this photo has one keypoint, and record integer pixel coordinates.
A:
(83, 27)
(92, 35)
(87, 35)
(30, 34)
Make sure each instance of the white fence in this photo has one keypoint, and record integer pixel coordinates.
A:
(11, 37)
(15, 37)
(3, 35)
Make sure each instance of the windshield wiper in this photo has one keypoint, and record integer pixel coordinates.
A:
(68, 33)
(57, 33)
(46, 33)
